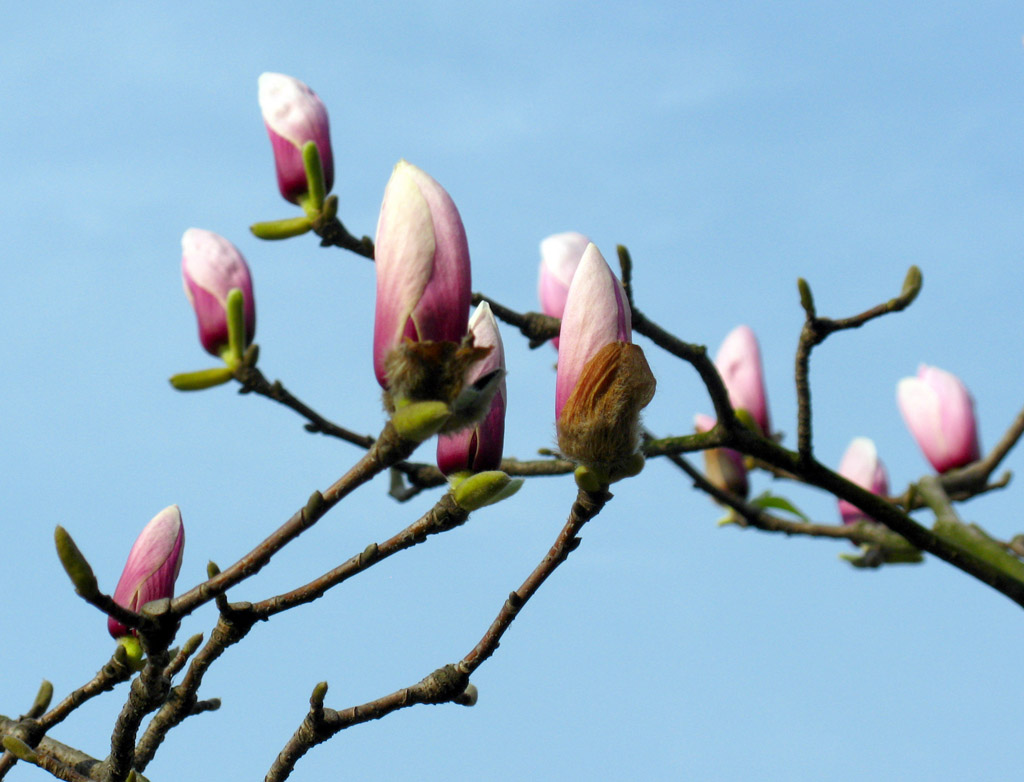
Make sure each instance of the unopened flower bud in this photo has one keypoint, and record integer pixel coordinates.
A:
(560, 254)
(603, 379)
(723, 467)
(861, 465)
(939, 412)
(152, 566)
(211, 267)
(294, 115)
(739, 363)
(479, 446)
(423, 291)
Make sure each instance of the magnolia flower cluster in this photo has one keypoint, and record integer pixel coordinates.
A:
(936, 406)
(427, 350)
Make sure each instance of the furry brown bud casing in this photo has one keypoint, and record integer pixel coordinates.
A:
(599, 425)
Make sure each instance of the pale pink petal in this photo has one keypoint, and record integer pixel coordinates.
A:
(152, 566)
(596, 314)
(294, 114)
(739, 363)
(861, 465)
(560, 256)
(210, 267)
(939, 413)
(480, 446)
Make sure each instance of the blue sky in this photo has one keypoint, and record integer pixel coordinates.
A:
(733, 147)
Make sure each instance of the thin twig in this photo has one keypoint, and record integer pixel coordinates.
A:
(536, 327)
(449, 682)
(815, 330)
(333, 233)
(147, 692)
(444, 516)
(388, 450)
(232, 625)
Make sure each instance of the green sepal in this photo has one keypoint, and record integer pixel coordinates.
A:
(630, 468)
(730, 517)
(590, 478)
(272, 230)
(235, 309)
(204, 378)
(748, 420)
(417, 421)
(484, 488)
(75, 564)
(314, 200)
(769, 500)
(132, 650)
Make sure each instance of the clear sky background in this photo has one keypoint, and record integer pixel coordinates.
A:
(733, 147)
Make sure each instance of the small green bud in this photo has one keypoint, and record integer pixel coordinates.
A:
(75, 564)
(42, 700)
(20, 749)
(912, 283)
(132, 650)
(419, 420)
(330, 210)
(314, 200)
(484, 488)
(806, 298)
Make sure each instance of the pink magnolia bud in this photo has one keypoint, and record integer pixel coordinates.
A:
(723, 466)
(210, 267)
(479, 447)
(603, 379)
(862, 466)
(422, 260)
(560, 254)
(294, 114)
(939, 412)
(739, 363)
(152, 566)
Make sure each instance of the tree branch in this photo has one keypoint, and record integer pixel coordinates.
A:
(449, 682)
(388, 450)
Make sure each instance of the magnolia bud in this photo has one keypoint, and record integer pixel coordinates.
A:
(603, 379)
(423, 291)
(861, 465)
(939, 412)
(211, 267)
(560, 254)
(479, 447)
(294, 115)
(723, 467)
(152, 566)
(739, 363)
